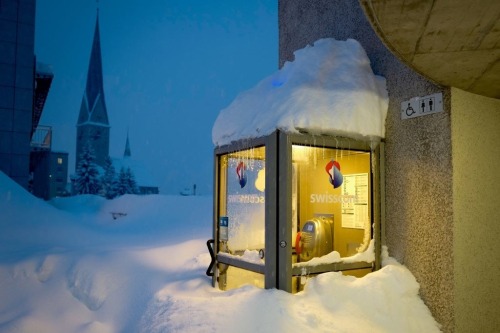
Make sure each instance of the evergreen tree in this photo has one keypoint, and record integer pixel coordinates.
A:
(121, 187)
(87, 174)
(109, 183)
(126, 182)
(132, 184)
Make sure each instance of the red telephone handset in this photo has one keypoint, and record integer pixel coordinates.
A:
(298, 248)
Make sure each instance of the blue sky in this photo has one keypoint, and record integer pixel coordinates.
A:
(169, 68)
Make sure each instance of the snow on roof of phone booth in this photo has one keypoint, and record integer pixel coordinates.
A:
(328, 89)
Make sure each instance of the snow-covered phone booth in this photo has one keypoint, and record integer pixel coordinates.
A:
(289, 206)
(298, 168)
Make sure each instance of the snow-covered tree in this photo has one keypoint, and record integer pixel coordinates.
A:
(87, 175)
(121, 186)
(132, 184)
(126, 182)
(109, 183)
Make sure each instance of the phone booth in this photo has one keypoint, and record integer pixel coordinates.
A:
(291, 206)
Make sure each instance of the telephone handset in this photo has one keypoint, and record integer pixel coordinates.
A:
(315, 239)
(298, 247)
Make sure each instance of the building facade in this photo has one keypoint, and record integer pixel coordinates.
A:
(17, 71)
(50, 174)
(440, 201)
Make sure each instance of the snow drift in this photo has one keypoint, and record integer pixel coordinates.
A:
(68, 266)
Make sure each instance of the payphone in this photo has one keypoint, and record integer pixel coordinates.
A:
(315, 239)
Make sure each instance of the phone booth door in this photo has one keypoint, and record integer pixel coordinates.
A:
(241, 218)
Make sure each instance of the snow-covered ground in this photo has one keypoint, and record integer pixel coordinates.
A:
(68, 266)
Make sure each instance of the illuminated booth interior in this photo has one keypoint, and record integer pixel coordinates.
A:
(290, 206)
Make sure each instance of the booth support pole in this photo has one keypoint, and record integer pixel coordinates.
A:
(215, 226)
(284, 183)
(271, 212)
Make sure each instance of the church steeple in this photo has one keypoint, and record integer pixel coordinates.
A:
(93, 124)
(127, 152)
(93, 104)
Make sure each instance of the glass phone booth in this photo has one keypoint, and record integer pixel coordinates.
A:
(291, 206)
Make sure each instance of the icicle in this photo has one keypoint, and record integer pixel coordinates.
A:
(315, 156)
(373, 146)
(341, 152)
(250, 159)
(336, 149)
(349, 147)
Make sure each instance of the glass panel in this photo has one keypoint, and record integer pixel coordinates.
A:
(333, 202)
(237, 277)
(242, 210)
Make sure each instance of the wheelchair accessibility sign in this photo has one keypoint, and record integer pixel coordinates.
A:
(422, 106)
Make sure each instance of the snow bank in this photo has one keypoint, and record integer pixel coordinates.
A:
(328, 89)
(384, 301)
(73, 268)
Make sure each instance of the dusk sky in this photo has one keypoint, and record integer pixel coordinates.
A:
(169, 68)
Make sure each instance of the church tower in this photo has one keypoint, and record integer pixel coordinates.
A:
(93, 125)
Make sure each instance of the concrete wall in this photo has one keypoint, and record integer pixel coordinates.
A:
(419, 216)
(476, 206)
(17, 61)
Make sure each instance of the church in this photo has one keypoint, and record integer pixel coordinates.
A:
(93, 123)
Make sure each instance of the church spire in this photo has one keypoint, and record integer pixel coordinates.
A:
(93, 107)
(94, 75)
(127, 152)
(93, 124)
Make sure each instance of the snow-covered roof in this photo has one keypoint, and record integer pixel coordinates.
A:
(328, 89)
(44, 69)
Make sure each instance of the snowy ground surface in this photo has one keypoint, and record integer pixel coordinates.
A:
(68, 266)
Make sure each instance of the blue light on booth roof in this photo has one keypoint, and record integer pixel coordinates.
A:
(277, 83)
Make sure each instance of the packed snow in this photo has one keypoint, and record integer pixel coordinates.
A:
(367, 256)
(329, 88)
(68, 266)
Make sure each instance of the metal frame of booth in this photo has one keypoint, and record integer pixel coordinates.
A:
(278, 268)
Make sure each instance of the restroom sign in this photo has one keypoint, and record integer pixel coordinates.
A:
(422, 106)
